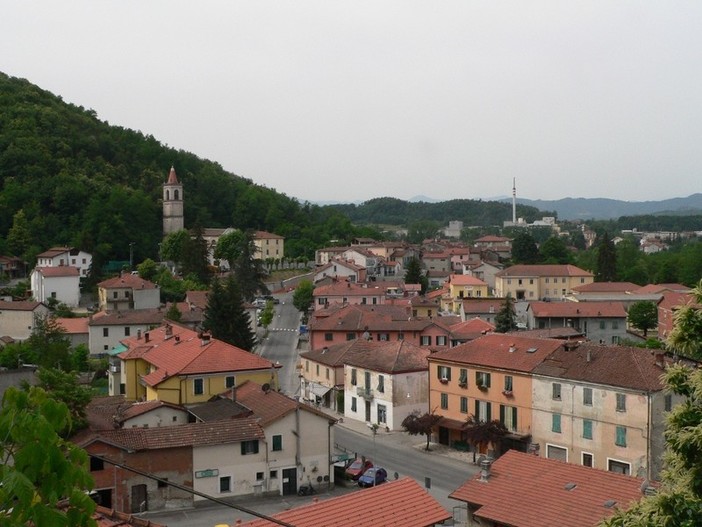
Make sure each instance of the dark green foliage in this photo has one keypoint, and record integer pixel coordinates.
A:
(643, 315)
(63, 387)
(606, 270)
(303, 296)
(267, 314)
(225, 315)
(555, 251)
(524, 250)
(505, 319)
(174, 313)
(414, 274)
(420, 424)
(194, 264)
(420, 230)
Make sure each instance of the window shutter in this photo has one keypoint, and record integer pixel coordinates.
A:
(487, 380)
(487, 411)
(514, 417)
(243, 448)
(502, 413)
(448, 373)
(477, 409)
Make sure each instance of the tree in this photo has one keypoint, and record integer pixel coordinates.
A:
(421, 230)
(303, 296)
(643, 315)
(482, 434)
(173, 313)
(267, 313)
(414, 274)
(49, 343)
(420, 424)
(63, 387)
(240, 252)
(19, 237)
(686, 336)
(174, 245)
(38, 468)
(148, 269)
(225, 316)
(194, 260)
(606, 269)
(555, 251)
(524, 250)
(505, 319)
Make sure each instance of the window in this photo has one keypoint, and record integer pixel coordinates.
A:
(441, 340)
(326, 373)
(127, 331)
(619, 467)
(273, 474)
(668, 402)
(382, 414)
(277, 443)
(615, 324)
(354, 404)
(105, 332)
(162, 484)
(483, 411)
(508, 417)
(367, 378)
(463, 378)
(587, 460)
(115, 294)
(383, 337)
(96, 464)
(354, 379)
(229, 381)
(602, 324)
(557, 452)
(464, 405)
(620, 440)
(444, 401)
(381, 383)
(587, 429)
(444, 372)
(556, 423)
(482, 379)
(425, 340)
(198, 386)
(317, 370)
(556, 391)
(350, 336)
(225, 484)
(328, 337)
(621, 402)
(508, 383)
(259, 476)
(126, 294)
(249, 447)
(587, 396)
(400, 336)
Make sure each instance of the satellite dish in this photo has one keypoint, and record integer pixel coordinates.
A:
(266, 387)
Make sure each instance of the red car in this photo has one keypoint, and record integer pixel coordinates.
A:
(356, 469)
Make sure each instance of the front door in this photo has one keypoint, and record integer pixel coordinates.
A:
(368, 412)
(139, 503)
(289, 481)
(443, 435)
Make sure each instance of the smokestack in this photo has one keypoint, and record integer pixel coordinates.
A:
(514, 200)
(485, 470)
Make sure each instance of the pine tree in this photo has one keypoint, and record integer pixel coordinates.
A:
(414, 275)
(524, 249)
(225, 316)
(606, 260)
(505, 320)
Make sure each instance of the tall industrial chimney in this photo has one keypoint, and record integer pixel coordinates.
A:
(514, 201)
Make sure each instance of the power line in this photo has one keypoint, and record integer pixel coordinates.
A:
(191, 491)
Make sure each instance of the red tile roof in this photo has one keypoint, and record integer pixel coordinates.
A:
(620, 366)
(73, 326)
(471, 328)
(20, 305)
(543, 270)
(130, 317)
(578, 309)
(183, 353)
(607, 287)
(260, 235)
(53, 252)
(524, 490)
(172, 178)
(345, 288)
(465, 279)
(60, 271)
(485, 306)
(127, 280)
(388, 357)
(193, 434)
(497, 350)
(661, 288)
(401, 503)
(374, 318)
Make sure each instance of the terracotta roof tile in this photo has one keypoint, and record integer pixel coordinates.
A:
(497, 350)
(578, 309)
(20, 305)
(401, 503)
(132, 316)
(524, 490)
(543, 270)
(73, 326)
(57, 272)
(661, 288)
(471, 328)
(607, 287)
(127, 280)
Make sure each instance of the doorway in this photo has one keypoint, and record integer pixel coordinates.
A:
(368, 411)
(289, 481)
(139, 499)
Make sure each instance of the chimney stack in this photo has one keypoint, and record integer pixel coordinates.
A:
(485, 465)
(146, 336)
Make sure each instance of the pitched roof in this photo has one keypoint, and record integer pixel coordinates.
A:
(620, 366)
(371, 317)
(485, 305)
(184, 352)
(471, 328)
(518, 481)
(125, 318)
(192, 434)
(20, 305)
(172, 178)
(73, 326)
(392, 357)
(543, 270)
(578, 309)
(346, 288)
(497, 350)
(128, 280)
(606, 287)
(263, 235)
(58, 272)
(400, 503)
(465, 279)
(53, 252)
(661, 288)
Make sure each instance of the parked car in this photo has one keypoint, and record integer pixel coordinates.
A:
(373, 476)
(356, 469)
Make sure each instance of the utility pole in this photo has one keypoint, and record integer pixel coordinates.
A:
(131, 256)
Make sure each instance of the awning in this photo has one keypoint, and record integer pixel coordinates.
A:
(452, 424)
(318, 389)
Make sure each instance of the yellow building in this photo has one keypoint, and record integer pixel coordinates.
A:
(540, 282)
(462, 286)
(175, 364)
(269, 245)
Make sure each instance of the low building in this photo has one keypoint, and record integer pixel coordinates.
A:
(19, 319)
(66, 256)
(61, 284)
(402, 502)
(107, 329)
(603, 322)
(76, 330)
(127, 292)
(269, 245)
(522, 490)
(541, 281)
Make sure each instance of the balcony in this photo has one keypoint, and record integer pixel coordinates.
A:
(366, 393)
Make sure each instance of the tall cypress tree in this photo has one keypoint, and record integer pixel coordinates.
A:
(505, 319)
(606, 260)
(226, 317)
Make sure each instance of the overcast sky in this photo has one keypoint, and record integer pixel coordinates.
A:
(350, 100)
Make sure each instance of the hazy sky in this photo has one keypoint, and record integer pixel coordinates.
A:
(351, 100)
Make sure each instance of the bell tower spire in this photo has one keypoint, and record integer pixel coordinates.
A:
(173, 219)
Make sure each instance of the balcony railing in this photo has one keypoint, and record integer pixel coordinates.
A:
(366, 393)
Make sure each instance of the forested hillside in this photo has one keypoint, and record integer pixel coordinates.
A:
(67, 178)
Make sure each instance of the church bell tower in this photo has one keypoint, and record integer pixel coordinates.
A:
(173, 219)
